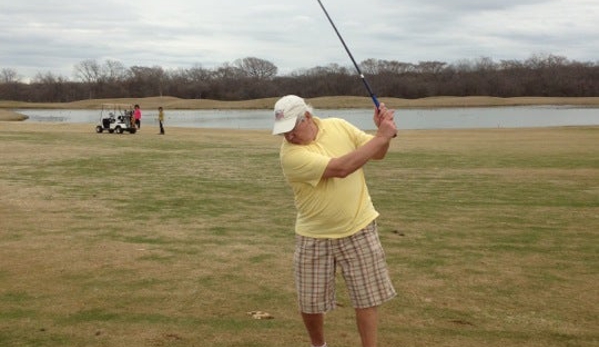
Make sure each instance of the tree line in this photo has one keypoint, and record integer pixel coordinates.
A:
(252, 78)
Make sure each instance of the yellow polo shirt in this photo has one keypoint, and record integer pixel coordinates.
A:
(332, 207)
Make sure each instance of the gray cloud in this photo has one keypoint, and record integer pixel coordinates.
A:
(49, 36)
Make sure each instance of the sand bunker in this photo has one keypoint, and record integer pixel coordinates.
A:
(8, 115)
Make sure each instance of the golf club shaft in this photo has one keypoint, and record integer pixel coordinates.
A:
(374, 99)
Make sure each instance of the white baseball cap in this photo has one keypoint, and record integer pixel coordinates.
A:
(287, 110)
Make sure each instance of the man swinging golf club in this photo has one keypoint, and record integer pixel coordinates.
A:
(322, 161)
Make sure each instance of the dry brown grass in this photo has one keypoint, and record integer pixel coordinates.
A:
(8, 115)
(146, 240)
(321, 102)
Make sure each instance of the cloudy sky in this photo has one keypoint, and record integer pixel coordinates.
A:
(54, 35)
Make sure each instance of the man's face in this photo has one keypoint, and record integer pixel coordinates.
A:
(302, 133)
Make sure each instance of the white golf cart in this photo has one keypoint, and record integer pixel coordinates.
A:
(116, 118)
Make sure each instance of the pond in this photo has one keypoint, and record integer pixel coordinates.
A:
(441, 118)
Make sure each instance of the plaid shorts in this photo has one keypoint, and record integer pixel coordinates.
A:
(362, 261)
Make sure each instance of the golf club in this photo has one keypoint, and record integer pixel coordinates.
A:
(374, 99)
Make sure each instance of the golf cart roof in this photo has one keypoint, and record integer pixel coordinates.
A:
(113, 105)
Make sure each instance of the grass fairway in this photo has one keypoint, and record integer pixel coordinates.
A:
(492, 238)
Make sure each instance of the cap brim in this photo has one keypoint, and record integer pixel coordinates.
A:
(283, 125)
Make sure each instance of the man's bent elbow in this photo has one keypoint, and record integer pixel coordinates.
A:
(379, 156)
(336, 173)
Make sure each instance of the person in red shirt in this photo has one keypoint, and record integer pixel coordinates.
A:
(137, 116)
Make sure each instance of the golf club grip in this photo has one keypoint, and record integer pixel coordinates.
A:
(372, 95)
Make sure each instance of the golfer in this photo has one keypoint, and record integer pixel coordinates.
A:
(322, 161)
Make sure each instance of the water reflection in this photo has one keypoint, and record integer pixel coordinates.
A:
(446, 118)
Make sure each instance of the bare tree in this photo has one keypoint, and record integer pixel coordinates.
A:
(113, 71)
(256, 68)
(484, 64)
(378, 66)
(431, 67)
(9, 84)
(47, 88)
(227, 71)
(146, 81)
(89, 72)
(198, 79)
(9, 76)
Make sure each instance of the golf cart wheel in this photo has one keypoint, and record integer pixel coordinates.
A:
(99, 129)
(118, 130)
